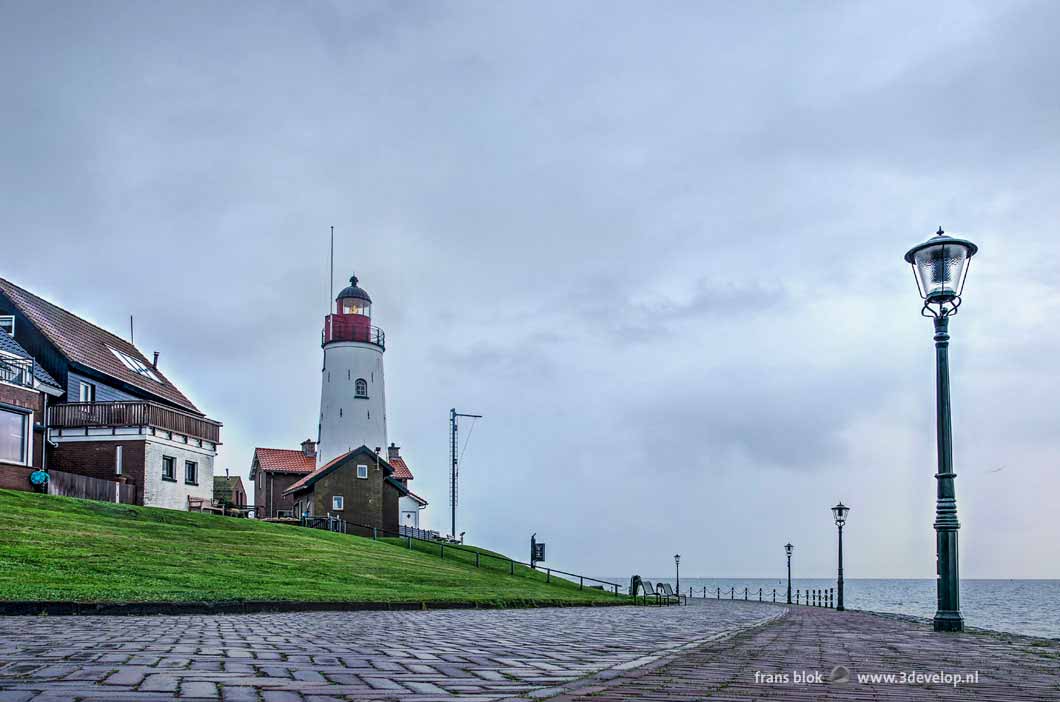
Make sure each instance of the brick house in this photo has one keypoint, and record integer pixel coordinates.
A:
(273, 471)
(358, 486)
(25, 389)
(117, 417)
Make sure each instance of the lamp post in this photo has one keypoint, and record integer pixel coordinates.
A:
(677, 565)
(788, 548)
(940, 266)
(839, 512)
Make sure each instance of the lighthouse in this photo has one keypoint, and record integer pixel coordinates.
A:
(352, 395)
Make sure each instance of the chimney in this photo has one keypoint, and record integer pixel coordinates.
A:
(393, 451)
(155, 362)
(309, 448)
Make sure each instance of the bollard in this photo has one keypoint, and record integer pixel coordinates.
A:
(774, 594)
(759, 594)
(797, 595)
(719, 593)
(831, 596)
(732, 593)
(745, 594)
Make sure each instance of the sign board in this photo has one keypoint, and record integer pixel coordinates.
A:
(539, 551)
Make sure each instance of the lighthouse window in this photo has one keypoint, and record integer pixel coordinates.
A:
(361, 388)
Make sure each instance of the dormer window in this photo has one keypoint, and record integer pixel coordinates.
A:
(135, 365)
(7, 324)
(360, 388)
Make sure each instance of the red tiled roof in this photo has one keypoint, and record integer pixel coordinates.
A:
(85, 343)
(284, 460)
(401, 471)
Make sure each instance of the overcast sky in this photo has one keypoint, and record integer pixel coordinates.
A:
(658, 245)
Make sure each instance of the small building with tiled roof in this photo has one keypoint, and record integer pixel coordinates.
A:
(117, 416)
(411, 504)
(273, 471)
(228, 491)
(358, 486)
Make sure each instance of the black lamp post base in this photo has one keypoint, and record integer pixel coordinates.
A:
(840, 608)
(948, 621)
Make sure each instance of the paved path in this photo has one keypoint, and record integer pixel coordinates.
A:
(1011, 668)
(327, 656)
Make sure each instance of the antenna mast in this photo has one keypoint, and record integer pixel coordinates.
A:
(454, 461)
(331, 274)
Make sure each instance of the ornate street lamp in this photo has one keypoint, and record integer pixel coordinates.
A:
(788, 548)
(677, 564)
(940, 266)
(839, 512)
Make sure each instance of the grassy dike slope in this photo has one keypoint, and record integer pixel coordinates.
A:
(63, 549)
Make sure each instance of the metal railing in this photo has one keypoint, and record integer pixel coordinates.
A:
(342, 526)
(351, 327)
(76, 415)
(821, 597)
(17, 371)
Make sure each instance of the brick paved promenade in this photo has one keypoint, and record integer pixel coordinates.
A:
(709, 650)
(1011, 668)
(326, 656)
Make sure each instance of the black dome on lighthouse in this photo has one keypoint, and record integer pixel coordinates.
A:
(354, 291)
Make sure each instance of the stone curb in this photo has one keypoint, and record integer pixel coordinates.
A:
(127, 609)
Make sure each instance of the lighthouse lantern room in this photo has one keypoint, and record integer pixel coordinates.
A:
(352, 395)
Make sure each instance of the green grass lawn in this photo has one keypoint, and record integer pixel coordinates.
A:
(59, 548)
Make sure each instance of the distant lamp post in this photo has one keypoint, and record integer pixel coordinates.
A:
(788, 548)
(940, 266)
(677, 565)
(839, 512)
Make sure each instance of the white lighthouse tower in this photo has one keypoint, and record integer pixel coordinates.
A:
(352, 396)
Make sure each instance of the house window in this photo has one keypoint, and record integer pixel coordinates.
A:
(13, 436)
(191, 472)
(169, 468)
(135, 365)
(117, 459)
(86, 392)
(7, 324)
(336, 503)
(361, 388)
(362, 472)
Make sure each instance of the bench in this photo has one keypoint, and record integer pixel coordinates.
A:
(668, 592)
(646, 589)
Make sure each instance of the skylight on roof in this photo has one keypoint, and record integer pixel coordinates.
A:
(135, 365)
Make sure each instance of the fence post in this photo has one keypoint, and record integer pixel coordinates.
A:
(375, 533)
(476, 559)
(511, 569)
(442, 551)
(548, 578)
(581, 582)
(410, 542)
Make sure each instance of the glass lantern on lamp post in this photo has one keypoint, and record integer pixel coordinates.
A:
(839, 513)
(788, 548)
(940, 267)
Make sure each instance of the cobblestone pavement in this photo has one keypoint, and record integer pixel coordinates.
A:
(1011, 668)
(326, 656)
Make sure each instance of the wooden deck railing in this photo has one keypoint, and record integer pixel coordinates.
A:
(133, 414)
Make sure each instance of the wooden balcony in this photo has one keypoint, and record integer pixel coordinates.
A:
(76, 415)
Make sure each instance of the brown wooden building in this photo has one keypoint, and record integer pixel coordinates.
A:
(273, 471)
(359, 487)
(228, 491)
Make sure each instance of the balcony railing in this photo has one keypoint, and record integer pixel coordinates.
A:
(132, 414)
(351, 327)
(17, 371)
